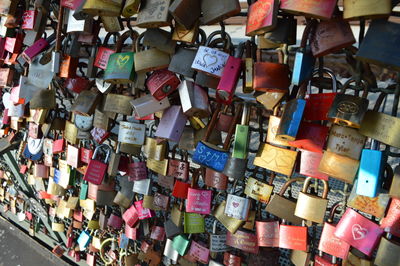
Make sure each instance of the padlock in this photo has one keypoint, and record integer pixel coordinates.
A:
(309, 163)
(131, 216)
(74, 25)
(349, 110)
(269, 76)
(193, 223)
(198, 201)
(131, 7)
(178, 168)
(369, 174)
(73, 156)
(282, 207)
(364, 234)
(258, 190)
(97, 169)
(171, 124)
(103, 53)
(181, 62)
(242, 135)
(146, 105)
(210, 155)
(142, 186)
(132, 133)
(95, 8)
(151, 59)
(194, 99)
(237, 207)
(292, 116)
(293, 237)
(394, 187)
(217, 241)
(160, 39)
(137, 170)
(242, 240)
(283, 159)
(214, 12)
(328, 242)
(162, 83)
(262, 17)
(390, 222)
(310, 207)
(230, 76)
(120, 66)
(331, 36)
(345, 141)
(154, 14)
(267, 233)
(215, 179)
(318, 105)
(304, 60)
(366, 9)
(300, 257)
(181, 244)
(199, 252)
(179, 11)
(312, 8)
(210, 60)
(338, 166)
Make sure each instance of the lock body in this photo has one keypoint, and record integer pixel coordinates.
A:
(369, 173)
(290, 121)
(162, 83)
(229, 78)
(348, 110)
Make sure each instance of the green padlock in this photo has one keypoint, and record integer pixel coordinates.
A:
(84, 190)
(242, 134)
(181, 244)
(193, 223)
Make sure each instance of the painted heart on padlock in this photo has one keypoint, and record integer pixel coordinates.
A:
(210, 60)
(122, 60)
(359, 232)
(235, 204)
(259, 13)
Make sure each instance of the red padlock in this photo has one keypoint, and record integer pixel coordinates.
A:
(162, 83)
(77, 84)
(97, 169)
(198, 201)
(358, 231)
(391, 223)
(131, 216)
(180, 189)
(293, 237)
(310, 137)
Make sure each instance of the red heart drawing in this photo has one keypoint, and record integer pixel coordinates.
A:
(235, 204)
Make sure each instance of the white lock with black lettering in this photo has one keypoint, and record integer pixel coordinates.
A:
(131, 133)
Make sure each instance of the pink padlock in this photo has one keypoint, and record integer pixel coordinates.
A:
(230, 76)
(137, 171)
(267, 233)
(358, 231)
(198, 201)
(29, 19)
(309, 164)
(131, 216)
(144, 213)
(115, 221)
(199, 252)
(39, 46)
(131, 232)
(157, 233)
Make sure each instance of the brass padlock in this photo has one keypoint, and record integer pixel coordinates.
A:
(388, 252)
(310, 207)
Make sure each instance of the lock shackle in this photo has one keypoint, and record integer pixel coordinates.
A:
(334, 209)
(127, 34)
(307, 184)
(173, 151)
(309, 30)
(138, 41)
(288, 183)
(330, 74)
(212, 123)
(201, 37)
(379, 101)
(108, 152)
(116, 36)
(245, 114)
(226, 40)
(214, 230)
(347, 85)
(232, 128)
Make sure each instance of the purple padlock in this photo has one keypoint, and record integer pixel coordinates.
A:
(172, 124)
(115, 221)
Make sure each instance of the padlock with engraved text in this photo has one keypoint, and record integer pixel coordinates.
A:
(154, 14)
(162, 83)
(178, 168)
(313, 8)
(293, 237)
(258, 190)
(349, 110)
(96, 170)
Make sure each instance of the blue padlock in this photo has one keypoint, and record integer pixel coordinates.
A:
(84, 240)
(292, 116)
(304, 60)
(369, 173)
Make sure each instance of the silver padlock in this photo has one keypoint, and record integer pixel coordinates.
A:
(194, 99)
(237, 207)
(142, 186)
(131, 133)
(147, 105)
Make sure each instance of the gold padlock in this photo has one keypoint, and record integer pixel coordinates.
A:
(310, 207)
(276, 159)
(230, 223)
(340, 167)
(388, 253)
